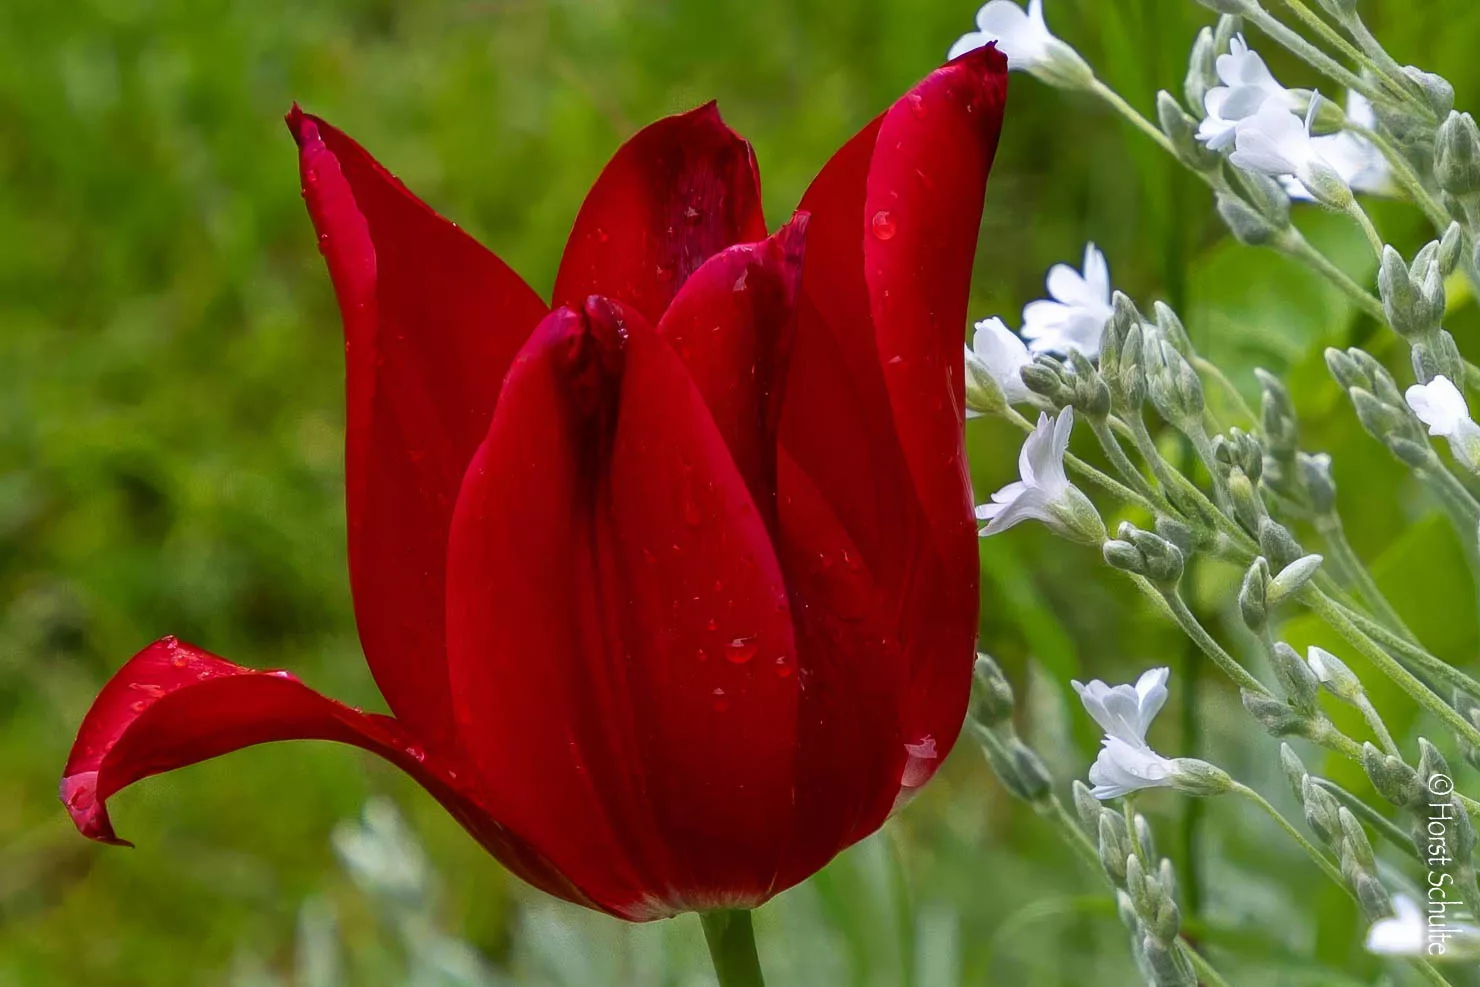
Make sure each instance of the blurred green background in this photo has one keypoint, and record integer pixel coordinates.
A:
(170, 461)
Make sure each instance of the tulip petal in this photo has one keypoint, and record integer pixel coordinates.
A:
(850, 752)
(732, 324)
(174, 704)
(620, 639)
(680, 191)
(923, 207)
(432, 320)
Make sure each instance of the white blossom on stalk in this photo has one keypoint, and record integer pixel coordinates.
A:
(1023, 36)
(1074, 315)
(1125, 711)
(1247, 86)
(997, 352)
(1123, 768)
(1356, 159)
(1441, 406)
(1276, 142)
(1409, 933)
(1044, 492)
(1126, 763)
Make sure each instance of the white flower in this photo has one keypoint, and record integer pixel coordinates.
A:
(1276, 142)
(1356, 159)
(1044, 482)
(998, 351)
(1440, 406)
(1411, 933)
(1126, 711)
(1074, 316)
(1023, 36)
(1124, 767)
(1247, 86)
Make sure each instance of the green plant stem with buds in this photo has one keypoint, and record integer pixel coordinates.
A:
(1339, 619)
(1133, 116)
(731, 940)
(1194, 629)
(1310, 848)
(1429, 664)
(1123, 465)
(1235, 396)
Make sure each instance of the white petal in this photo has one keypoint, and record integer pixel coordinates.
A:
(1096, 274)
(1151, 688)
(1022, 39)
(1069, 286)
(1122, 768)
(1035, 448)
(1359, 110)
(1050, 470)
(1402, 935)
(1004, 355)
(1030, 505)
(967, 42)
(1439, 405)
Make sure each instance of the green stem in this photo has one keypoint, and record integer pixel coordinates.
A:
(1292, 243)
(1204, 969)
(1053, 810)
(1113, 98)
(1195, 630)
(1339, 619)
(1098, 477)
(731, 940)
(1122, 463)
(1374, 239)
(1405, 176)
(1350, 568)
(1431, 665)
(1319, 60)
(1315, 854)
(1379, 728)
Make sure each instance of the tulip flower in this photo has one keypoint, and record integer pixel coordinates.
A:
(670, 585)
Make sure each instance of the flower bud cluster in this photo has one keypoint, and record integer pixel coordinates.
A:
(1019, 768)
(1146, 889)
(1342, 833)
(1379, 405)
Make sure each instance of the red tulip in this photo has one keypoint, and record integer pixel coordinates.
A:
(672, 588)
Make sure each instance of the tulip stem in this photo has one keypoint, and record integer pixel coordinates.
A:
(731, 940)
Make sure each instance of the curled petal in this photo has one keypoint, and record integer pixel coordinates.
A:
(174, 705)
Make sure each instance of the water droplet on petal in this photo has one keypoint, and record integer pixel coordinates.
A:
(783, 668)
(721, 703)
(917, 104)
(883, 225)
(740, 650)
(701, 654)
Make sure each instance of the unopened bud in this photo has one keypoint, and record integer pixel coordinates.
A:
(1114, 848)
(1278, 719)
(1181, 131)
(1035, 783)
(1252, 594)
(1045, 377)
(1437, 90)
(1202, 73)
(1391, 778)
(1087, 806)
(1172, 385)
(1294, 769)
(1292, 579)
(1354, 841)
(1314, 470)
(1171, 328)
(1334, 674)
(1322, 813)
(1247, 225)
(1277, 544)
(1436, 355)
(1372, 897)
(1451, 246)
(1296, 678)
(1457, 155)
(992, 700)
(1193, 777)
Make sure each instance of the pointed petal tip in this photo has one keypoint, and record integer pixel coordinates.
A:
(303, 126)
(988, 57)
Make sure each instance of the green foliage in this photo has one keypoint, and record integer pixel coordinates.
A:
(171, 424)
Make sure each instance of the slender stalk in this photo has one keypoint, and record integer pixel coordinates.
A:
(1374, 238)
(1349, 567)
(1292, 243)
(1053, 810)
(1122, 463)
(1204, 969)
(731, 940)
(1339, 619)
(1321, 61)
(1315, 854)
(1378, 728)
(1430, 664)
(1114, 100)
(1405, 176)
(1212, 371)
(1195, 630)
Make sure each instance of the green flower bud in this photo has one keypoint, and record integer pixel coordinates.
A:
(1457, 155)
(1181, 131)
(1114, 849)
(1158, 559)
(1451, 244)
(1278, 719)
(1248, 507)
(1144, 836)
(1167, 965)
(1172, 385)
(1354, 842)
(1314, 470)
(1277, 414)
(1088, 807)
(1252, 604)
(992, 700)
(1430, 763)
(1437, 355)
(1266, 196)
(1296, 678)
(1033, 777)
(1193, 777)
(1292, 579)
(1391, 778)
(1436, 90)
(1294, 769)
(1171, 328)
(1202, 72)
(1247, 225)
(1091, 394)
(1277, 544)
(1045, 377)
(1142, 896)
(1177, 533)
(1333, 673)
(1372, 897)
(1345, 369)
(983, 393)
(1410, 309)
(1322, 813)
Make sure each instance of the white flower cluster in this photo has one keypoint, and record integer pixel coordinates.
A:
(1258, 119)
(1127, 763)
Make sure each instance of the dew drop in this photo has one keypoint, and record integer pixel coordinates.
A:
(139, 706)
(783, 668)
(147, 688)
(883, 225)
(692, 215)
(740, 650)
(721, 701)
(917, 104)
(701, 654)
(416, 753)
